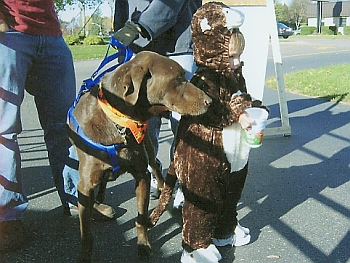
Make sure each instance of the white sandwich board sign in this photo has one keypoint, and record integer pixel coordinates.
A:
(259, 28)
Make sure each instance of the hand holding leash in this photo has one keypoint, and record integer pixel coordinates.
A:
(127, 34)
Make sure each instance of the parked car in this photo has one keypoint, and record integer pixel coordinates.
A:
(283, 30)
(297, 31)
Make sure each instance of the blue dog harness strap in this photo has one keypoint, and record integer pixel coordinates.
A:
(123, 51)
(110, 149)
(87, 85)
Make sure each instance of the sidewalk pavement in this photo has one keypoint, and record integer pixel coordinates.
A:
(296, 200)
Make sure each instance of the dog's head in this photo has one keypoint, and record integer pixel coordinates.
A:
(158, 80)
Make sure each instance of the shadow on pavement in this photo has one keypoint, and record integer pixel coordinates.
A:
(297, 185)
(295, 202)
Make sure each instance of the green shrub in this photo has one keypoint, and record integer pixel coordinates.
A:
(334, 29)
(346, 30)
(71, 40)
(93, 40)
(327, 30)
(307, 30)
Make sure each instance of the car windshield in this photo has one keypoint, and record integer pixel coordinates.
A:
(282, 25)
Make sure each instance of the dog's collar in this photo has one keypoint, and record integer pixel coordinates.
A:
(138, 128)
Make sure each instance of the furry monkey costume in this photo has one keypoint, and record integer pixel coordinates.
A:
(212, 175)
(211, 191)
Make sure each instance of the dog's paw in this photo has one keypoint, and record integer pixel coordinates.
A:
(144, 251)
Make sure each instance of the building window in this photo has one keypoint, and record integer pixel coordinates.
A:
(342, 21)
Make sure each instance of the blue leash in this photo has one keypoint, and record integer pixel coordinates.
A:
(87, 85)
(96, 76)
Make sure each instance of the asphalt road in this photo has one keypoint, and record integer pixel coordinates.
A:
(309, 53)
(295, 202)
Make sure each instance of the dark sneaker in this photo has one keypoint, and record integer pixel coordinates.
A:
(100, 212)
(12, 235)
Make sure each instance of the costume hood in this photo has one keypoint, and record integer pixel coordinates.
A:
(212, 27)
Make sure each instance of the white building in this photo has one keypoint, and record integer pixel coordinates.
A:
(333, 14)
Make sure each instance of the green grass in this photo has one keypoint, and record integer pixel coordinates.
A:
(86, 52)
(319, 36)
(330, 83)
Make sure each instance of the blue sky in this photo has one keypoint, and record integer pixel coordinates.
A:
(288, 2)
(74, 10)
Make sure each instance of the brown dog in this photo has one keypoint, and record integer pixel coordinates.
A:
(142, 87)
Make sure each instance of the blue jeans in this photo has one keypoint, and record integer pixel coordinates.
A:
(44, 67)
(154, 124)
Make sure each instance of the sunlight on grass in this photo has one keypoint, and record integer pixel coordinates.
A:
(86, 52)
(331, 83)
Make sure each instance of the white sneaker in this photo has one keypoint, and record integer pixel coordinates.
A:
(245, 229)
(207, 255)
(154, 191)
(187, 257)
(242, 236)
(239, 238)
(222, 242)
(203, 255)
(179, 199)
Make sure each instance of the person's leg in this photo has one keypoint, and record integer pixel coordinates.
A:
(71, 179)
(51, 81)
(227, 220)
(202, 204)
(188, 64)
(153, 130)
(15, 60)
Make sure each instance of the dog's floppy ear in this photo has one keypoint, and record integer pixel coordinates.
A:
(132, 81)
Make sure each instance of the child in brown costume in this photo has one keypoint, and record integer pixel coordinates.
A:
(211, 172)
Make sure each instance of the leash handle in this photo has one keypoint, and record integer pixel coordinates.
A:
(123, 51)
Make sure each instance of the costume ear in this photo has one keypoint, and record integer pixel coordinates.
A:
(132, 81)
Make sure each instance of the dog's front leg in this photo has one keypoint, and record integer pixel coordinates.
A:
(85, 204)
(155, 165)
(142, 190)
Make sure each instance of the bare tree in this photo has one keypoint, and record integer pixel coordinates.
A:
(297, 11)
(83, 4)
(61, 4)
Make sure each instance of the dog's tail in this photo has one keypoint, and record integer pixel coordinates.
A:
(164, 198)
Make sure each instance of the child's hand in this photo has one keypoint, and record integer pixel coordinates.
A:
(245, 121)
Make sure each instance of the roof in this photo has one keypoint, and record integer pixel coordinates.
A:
(330, 9)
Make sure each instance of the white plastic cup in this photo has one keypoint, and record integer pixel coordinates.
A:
(254, 135)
